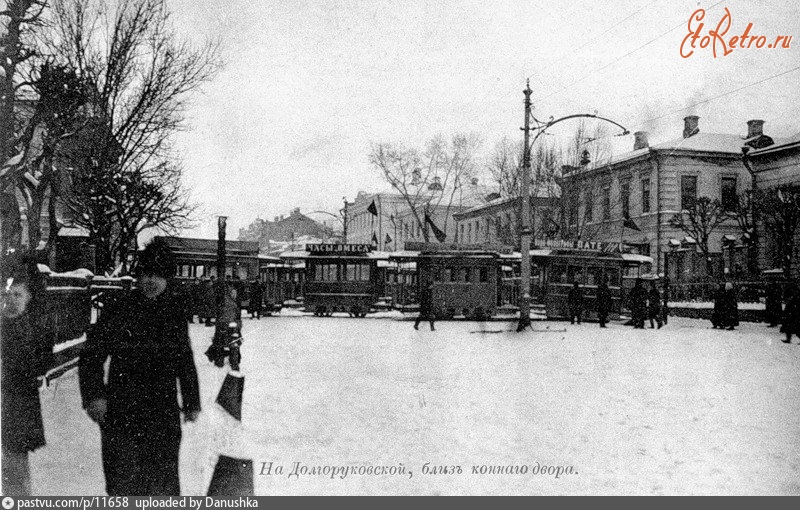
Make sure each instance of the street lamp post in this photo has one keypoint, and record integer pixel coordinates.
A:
(525, 233)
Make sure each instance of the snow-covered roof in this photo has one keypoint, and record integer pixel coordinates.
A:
(640, 259)
(73, 232)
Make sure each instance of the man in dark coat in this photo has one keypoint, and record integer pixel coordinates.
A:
(425, 306)
(256, 299)
(23, 360)
(773, 303)
(730, 307)
(654, 306)
(603, 302)
(718, 315)
(575, 302)
(637, 300)
(791, 315)
(147, 340)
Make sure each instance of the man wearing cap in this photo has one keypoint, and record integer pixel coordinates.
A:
(146, 337)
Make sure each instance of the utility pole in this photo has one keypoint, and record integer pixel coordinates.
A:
(344, 222)
(221, 326)
(525, 234)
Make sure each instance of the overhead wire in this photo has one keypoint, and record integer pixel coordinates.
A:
(606, 66)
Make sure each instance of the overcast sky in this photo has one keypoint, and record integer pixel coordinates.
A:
(309, 85)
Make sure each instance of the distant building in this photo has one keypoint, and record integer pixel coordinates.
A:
(392, 222)
(285, 229)
(498, 221)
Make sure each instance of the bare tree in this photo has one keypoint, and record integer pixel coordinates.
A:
(699, 222)
(505, 167)
(745, 211)
(20, 19)
(431, 180)
(142, 75)
(780, 210)
(580, 188)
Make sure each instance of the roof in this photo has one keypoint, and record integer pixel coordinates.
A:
(500, 202)
(780, 144)
(716, 143)
(187, 244)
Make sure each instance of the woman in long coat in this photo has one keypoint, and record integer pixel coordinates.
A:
(23, 360)
(603, 302)
(146, 337)
(791, 315)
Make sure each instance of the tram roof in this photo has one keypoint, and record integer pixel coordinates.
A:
(544, 252)
(303, 255)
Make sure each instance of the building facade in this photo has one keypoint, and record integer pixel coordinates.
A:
(633, 197)
(498, 221)
(777, 166)
(388, 221)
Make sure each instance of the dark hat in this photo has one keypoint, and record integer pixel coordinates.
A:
(157, 259)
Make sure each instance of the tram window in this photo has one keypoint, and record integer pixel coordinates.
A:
(463, 274)
(612, 273)
(448, 275)
(350, 272)
(483, 274)
(575, 274)
(558, 274)
(594, 275)
(325, 273)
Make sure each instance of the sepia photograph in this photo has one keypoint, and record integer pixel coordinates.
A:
(387, 248)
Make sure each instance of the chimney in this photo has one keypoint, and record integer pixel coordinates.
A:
(755, 128)
(640, 140)
(690, 125)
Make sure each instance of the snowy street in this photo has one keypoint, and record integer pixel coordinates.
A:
(681, 410)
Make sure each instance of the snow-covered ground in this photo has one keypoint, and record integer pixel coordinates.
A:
(681, 410)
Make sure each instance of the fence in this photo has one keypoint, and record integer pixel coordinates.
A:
(746, 291)
(71, 304)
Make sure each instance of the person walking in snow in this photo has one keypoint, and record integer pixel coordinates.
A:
(603, 302)
(575, 302)
(426, 306)
(654, 306)
(146, 338)
(24, 358)
(791, 315)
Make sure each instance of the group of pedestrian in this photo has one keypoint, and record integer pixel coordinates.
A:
(645, 304)
(136, 373)
(726, 308)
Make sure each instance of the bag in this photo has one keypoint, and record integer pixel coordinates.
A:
(230, 395)
(232, 477)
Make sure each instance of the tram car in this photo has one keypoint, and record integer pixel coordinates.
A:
(341, 278)
(463, 279)
(554, 271)
(271, 271)
(401, 281)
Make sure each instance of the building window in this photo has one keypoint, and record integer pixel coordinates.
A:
(728, 194)
(625, 196)
(606, 203)
(588, 207)
(645, 195)
(688, 192)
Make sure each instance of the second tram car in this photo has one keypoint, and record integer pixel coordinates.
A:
(342, 278)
